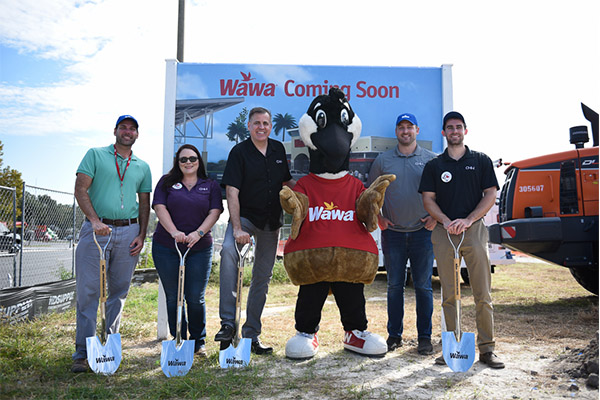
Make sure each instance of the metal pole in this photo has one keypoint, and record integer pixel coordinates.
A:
(15, 232)
(22, 233)
(73, 239)
(180, 30)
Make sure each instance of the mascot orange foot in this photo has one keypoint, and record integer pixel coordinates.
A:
(330, 248)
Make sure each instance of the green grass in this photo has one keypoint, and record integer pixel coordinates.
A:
(531, 302)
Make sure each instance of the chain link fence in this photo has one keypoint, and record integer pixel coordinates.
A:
(9, 238)
(44, 228)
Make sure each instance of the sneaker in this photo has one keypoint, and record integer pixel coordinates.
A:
(491, 360)
(425, 347)
(393, 343)
(440, 360)
(302, 346)
(365, 343)
(259, 349)
(225, 334)
(80, 365)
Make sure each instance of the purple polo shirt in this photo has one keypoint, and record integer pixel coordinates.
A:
(188, 209)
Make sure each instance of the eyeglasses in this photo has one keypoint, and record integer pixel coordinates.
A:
(191, 159)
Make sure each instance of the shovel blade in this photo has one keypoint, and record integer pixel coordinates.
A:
(176, 360)
(104, 359)
(459, 356)
(236, 357)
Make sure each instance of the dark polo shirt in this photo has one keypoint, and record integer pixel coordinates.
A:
(458, 184)
(187, 208)
(259, 179)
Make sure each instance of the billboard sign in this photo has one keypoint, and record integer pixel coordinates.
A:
(207, 104)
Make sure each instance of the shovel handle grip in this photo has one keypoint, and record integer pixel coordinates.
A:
(103, 281)
(180, 296)
(240, 283)
(180, 283)
(457, 278)
(103, 300)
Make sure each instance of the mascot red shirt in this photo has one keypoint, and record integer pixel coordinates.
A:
(331, 218)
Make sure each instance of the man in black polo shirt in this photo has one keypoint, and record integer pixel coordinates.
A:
(458, 188)
(255, 172)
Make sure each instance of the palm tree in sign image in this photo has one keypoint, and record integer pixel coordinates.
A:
(283, 122)
(237, 130)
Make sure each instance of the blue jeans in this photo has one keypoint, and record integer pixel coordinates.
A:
(398, 247)
(197, 272)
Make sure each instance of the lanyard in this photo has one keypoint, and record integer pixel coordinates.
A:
(119, 172)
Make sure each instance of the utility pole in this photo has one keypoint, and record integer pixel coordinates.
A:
(180, 30)
(162, 319)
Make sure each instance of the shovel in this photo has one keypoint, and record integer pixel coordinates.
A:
(103, 359)
(177, 355)
(237, 355)
(458, 348)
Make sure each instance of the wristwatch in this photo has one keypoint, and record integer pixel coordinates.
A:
(200, 232)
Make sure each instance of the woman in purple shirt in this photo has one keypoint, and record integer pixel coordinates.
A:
(187, 204)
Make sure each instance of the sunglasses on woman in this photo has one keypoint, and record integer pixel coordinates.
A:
(191, 159)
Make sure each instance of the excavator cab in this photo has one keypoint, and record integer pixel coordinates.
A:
(549, 206)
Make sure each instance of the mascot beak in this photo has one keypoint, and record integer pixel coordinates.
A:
(333, 143)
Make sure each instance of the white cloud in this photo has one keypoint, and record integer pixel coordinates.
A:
(520, 68)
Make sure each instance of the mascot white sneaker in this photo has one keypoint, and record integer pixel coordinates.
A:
(365, 343)
(302, 346)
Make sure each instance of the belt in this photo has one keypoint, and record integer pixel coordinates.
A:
(118, 222)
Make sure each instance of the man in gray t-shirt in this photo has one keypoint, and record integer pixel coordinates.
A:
(406, 232)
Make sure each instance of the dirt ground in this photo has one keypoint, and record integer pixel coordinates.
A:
(543, 361)
(540, 371)
(547, 335)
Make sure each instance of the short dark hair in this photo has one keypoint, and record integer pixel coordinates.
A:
(175, 175)
(453, 115)
(259, 110)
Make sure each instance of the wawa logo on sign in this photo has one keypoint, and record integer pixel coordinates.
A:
(330, 212)
(248, 86)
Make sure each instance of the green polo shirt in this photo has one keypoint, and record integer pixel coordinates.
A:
(105, 191)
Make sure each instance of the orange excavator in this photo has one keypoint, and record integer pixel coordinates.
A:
(549, 206)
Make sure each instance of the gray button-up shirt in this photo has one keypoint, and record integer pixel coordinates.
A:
(403, 204)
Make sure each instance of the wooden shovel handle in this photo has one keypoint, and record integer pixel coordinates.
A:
(457, 278)
(180, 296)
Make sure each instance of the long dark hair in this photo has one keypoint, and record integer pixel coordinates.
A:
(175, 175)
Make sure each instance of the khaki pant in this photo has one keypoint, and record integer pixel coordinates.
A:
(475, 253)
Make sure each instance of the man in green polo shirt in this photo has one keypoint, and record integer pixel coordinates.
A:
(108, 181)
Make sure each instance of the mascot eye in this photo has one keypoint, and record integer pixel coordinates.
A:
(321, 119)
(344, 117)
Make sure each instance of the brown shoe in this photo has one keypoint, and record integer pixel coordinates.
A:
(80, 365)
(440, 360)
(491, 360)
(201, 352)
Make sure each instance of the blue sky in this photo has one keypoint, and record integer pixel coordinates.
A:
(68, 68)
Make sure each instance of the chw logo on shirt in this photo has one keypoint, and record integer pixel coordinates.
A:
(330, 212)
